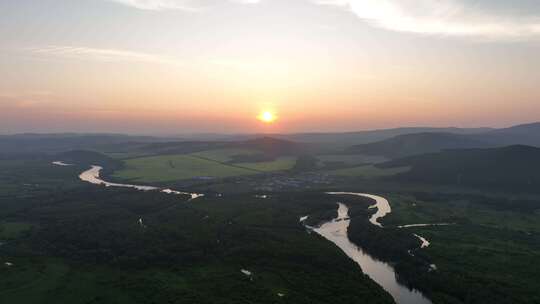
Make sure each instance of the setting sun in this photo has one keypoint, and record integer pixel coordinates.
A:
(267, 117)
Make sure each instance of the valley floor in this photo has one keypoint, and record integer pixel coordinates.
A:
(64, 241)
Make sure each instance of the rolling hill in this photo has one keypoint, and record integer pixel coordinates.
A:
(420, 143)
(275, 147)
(428, 142)
(512, 168)
(55, 143)
(267, 145)
(526, 134)
(370, 136)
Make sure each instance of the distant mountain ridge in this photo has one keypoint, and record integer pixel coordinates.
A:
(428, 142)
(53, 143)
(419, 143)
(30, 142)
(525, 134)
(369, 136)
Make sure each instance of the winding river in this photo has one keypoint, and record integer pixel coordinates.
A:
(335, 231)
(381, 204)
(92, 176)
(382, 273)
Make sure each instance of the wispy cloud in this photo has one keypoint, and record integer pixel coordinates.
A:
(439, 17)
(106, 55)
(185, 5)
(24, 100)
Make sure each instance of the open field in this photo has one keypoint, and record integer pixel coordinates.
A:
(368, 171)
(166, 168)
(225, 155)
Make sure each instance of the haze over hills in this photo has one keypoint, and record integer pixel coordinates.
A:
(420, 143)
(268, 145)
(368, 136)
(274, 146)
(391, 143)
(526, 134)
(512, 167)
(253, 190)
(30, 142)
(59, 141)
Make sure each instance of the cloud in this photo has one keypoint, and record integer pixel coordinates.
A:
(106, 55)
(185, 5)
(439, 17)
(24, 100)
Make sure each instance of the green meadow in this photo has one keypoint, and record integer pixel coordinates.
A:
(225, 155)
(165, 168)
(207, 164)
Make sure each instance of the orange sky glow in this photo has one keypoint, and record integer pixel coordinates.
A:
(155, 67)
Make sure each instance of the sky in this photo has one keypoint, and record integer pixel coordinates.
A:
(191, 66)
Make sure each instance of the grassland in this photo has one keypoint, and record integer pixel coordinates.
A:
(225, 155)
(167, 168)
(208, 164)
(368, 172)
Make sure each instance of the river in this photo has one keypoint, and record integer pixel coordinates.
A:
(381, 204)
(92, 176)
(334, 231)
(382, 273)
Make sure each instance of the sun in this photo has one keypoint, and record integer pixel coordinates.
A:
(267, 117)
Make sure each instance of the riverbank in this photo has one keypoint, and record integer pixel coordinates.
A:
(92, 176)
(336, 231)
